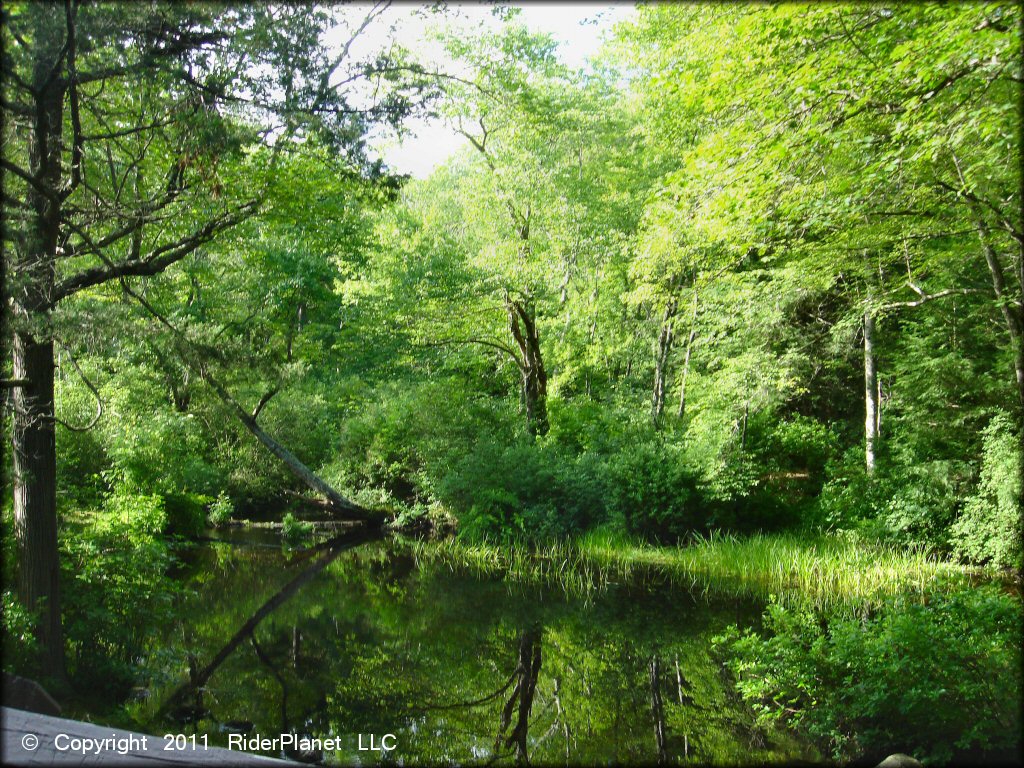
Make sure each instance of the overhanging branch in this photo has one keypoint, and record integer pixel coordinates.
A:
(926, 297)
(156, 262)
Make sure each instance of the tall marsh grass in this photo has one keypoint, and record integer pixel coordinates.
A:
(828, 572)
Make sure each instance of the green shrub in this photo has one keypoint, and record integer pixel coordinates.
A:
(934, 679)
(849, 497)
(797, 444)
(81, 462)
(651, 493)
(136, 516)
(528, 490)
(924, 502)
(143, 515)
(500, 492)
(989, 530)
(153, 448)
(295, 531)
(20, 647)
(221, 509)
(114, 568)
(405, 439)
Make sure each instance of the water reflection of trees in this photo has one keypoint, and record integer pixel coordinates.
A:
(198, 677)
(464, 670)
(521, 701)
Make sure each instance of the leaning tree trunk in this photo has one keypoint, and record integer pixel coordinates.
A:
(335, 500)
(338, 502)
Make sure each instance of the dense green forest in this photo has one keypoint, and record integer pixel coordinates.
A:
(755, 272)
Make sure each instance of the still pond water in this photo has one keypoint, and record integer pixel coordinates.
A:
(460, 667)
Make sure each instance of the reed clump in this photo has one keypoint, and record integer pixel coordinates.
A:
(826, 572)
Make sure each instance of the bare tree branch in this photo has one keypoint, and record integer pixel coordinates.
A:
(77, 152)
(92, 388)
(926, 297)
(482, 342)
(21, 173)
(154, 263)
(263, 402)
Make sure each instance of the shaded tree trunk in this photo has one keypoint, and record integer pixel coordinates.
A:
(33, 440)
(522, 323)
(177, 380)
(1012, 309)
(35, 495)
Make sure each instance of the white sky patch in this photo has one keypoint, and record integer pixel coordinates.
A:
(578, 28)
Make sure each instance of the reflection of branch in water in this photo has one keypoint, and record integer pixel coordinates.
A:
(336, 547)
(684, 698)
(559, 720)
(527, 672)
(551, 729)
(467, 704)
(273, 671)
(657, 710)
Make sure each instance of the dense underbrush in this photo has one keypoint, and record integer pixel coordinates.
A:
(936, 676)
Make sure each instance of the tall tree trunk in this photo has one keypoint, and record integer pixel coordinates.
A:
(686, 359)
(1013, 311)
(664, 347)
(870, 392)
(33, 441)
(522, 323)
(35, 494)
(743, 427)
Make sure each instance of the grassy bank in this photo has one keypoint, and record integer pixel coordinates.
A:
(827, 572)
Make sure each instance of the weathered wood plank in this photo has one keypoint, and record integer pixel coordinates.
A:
(122, 748)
